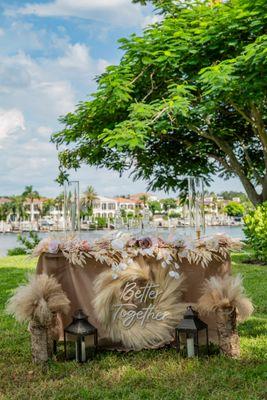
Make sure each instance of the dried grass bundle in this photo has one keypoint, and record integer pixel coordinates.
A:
(153, 333)
(225, 293)
(39, 300)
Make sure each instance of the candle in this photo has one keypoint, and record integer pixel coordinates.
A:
(76, 351)
(190, 347)
(83, 350)
(197, 219)
(197, 222)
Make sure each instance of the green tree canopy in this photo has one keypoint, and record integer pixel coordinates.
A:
(30, 194)
(188, 98)
(87, 200)
(230, 195)
(168, 204)
(144, 198)
(154, 206)
(234, 209)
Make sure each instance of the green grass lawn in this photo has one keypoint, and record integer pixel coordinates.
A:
(157, 374)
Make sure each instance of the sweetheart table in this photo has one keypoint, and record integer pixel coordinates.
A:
(127, 275)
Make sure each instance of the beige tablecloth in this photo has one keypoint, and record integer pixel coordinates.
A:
(77, 282)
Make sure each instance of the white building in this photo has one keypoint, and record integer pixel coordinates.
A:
(126, 204)
(104, 207)
(107, 207)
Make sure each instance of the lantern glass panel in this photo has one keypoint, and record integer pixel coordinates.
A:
(80, 328)
(196, 205)
(71, 206)
(190, 326)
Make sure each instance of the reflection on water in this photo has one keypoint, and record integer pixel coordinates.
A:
(9, 240)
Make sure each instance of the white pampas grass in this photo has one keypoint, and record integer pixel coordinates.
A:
(153, 333)
(38, 300)
(225, 292)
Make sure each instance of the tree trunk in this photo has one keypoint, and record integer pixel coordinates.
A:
(227, 332)
(42, 338)
(41, 342)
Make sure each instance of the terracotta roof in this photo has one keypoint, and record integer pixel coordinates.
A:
(36, 201)
(4, 200)
(124, 200)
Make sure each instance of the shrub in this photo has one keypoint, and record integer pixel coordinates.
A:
(234, 209)
(256, 231)
(101, 222)
(174, 214)
(28, 241)
(16, 251)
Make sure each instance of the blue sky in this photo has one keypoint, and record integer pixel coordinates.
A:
(50, 53)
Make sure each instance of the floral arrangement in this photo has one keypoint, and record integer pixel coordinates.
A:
(119, 251)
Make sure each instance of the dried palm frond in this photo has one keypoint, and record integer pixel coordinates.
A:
(38, 300)
(154, 332)
(224, 293)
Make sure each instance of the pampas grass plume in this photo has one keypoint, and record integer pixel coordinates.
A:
(38, 300)
(225, 292)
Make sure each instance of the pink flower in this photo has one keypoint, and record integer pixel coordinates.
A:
(162, 243)
(132, 242)
(144, 243)
(84, 245)
(53, 247)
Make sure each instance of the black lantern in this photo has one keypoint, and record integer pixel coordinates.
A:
(80, 327)
(191, 325)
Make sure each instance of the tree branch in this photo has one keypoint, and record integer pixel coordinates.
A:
(257, 176)
(152, 87)
(222, 161)
(241, 112)
(258, 122)
(140, 74)
(234, 163)
(257, 125)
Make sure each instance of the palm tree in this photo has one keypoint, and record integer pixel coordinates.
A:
(30, 194)
(4, 211)
(144, 198)
(19, 207)
(47, 205)
(59, 201)
(88, 198)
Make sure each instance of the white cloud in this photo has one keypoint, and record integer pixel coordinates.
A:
(76, 56)
(2, 32)
(151, 19)
(52, 85)
(119, 12)
(10, 121)
(44, 131)
(60, 94)
(43, 75)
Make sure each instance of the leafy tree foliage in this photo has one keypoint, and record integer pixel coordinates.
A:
(230, 195)
(4, 211)
(188, 98)
(30, 194)
(87, 201)
(144, 198)
(255, 231)
(168, 203)
(234, 209)
(154, 206)
(48, 205)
